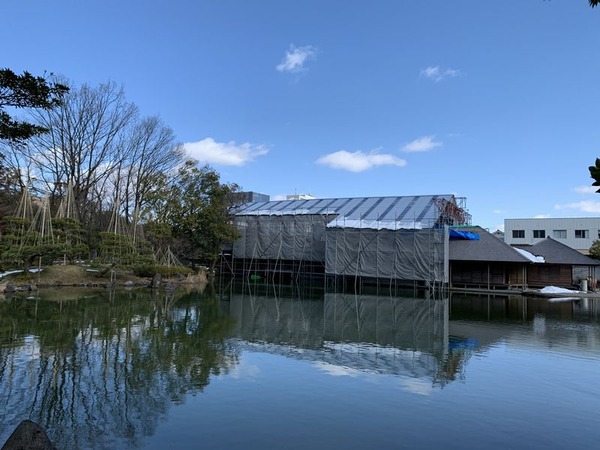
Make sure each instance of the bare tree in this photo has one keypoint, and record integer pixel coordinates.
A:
(81, 148)
(99, 155)
(149, 151)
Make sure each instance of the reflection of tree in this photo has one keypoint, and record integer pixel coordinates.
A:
(102, 372)
(453, 365)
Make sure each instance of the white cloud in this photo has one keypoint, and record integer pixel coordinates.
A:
(586, 206)
(359, 161)
(227, 154)
(541, 216)
(244, 371)
(337, 371)
(436, 73)
(586, 189)
(422, 144)
(295, 59)
(499, 211)
(416, 386)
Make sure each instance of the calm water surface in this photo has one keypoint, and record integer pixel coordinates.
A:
(268, 367)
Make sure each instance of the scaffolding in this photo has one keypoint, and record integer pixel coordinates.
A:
(290, 245)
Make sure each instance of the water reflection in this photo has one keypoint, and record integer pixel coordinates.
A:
(563, 324)
(102, 371)
(393, 335)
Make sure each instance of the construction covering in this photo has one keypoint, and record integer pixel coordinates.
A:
(403, 254)
(403, 238)
(291, 237)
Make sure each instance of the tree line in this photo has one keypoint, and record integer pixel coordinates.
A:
(85, 176)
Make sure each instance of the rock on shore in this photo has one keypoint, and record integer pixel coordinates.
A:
(28, 436)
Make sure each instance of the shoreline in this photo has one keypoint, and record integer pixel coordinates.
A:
(74, 276)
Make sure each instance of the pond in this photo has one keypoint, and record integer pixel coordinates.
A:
(254, 367)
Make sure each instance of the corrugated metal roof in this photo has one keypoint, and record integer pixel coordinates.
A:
(406, 209)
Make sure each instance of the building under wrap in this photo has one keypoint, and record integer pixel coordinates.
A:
(396, 238)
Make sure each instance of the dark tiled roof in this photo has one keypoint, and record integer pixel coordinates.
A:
(487, 248)
(555, 252)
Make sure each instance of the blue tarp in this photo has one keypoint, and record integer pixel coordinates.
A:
(464, 235)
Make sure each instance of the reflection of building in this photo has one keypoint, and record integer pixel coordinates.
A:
(386, 335)
(570, 325)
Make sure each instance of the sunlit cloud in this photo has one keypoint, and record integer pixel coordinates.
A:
(209, 151)
(359, 161)
(436, 73)
(587, 206)
(295, 59)
(586, 189)
(422, 144)
(542, 216)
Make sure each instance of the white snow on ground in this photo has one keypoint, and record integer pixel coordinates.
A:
(9, 272)
(557, 290)
(530, 256)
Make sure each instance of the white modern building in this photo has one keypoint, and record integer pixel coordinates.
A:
(577, 232)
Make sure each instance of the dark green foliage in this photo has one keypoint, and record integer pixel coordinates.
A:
(119, 250)
(25, 91)
(192, 215)
(114, 248)
(149, 270)
(594, 3)
(595, 173)
(25, 256)
(595, 249)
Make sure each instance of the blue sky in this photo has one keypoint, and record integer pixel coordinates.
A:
(494, 101)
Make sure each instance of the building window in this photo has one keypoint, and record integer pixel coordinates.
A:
(582, 234)
(539, 234)
(518, 234)
(559, 234)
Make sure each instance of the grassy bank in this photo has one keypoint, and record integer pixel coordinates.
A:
(75, 275)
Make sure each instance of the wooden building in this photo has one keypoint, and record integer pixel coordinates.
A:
(557, 264)
(485, 262)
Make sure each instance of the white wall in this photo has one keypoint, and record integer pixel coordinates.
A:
(591, 224)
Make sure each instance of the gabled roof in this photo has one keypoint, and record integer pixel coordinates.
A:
(555, 252)
(488, 248)
(415, 209)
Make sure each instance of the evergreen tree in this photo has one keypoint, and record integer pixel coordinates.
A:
(23, 92)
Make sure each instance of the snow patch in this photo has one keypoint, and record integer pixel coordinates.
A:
(530, 256)
(557, 290)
